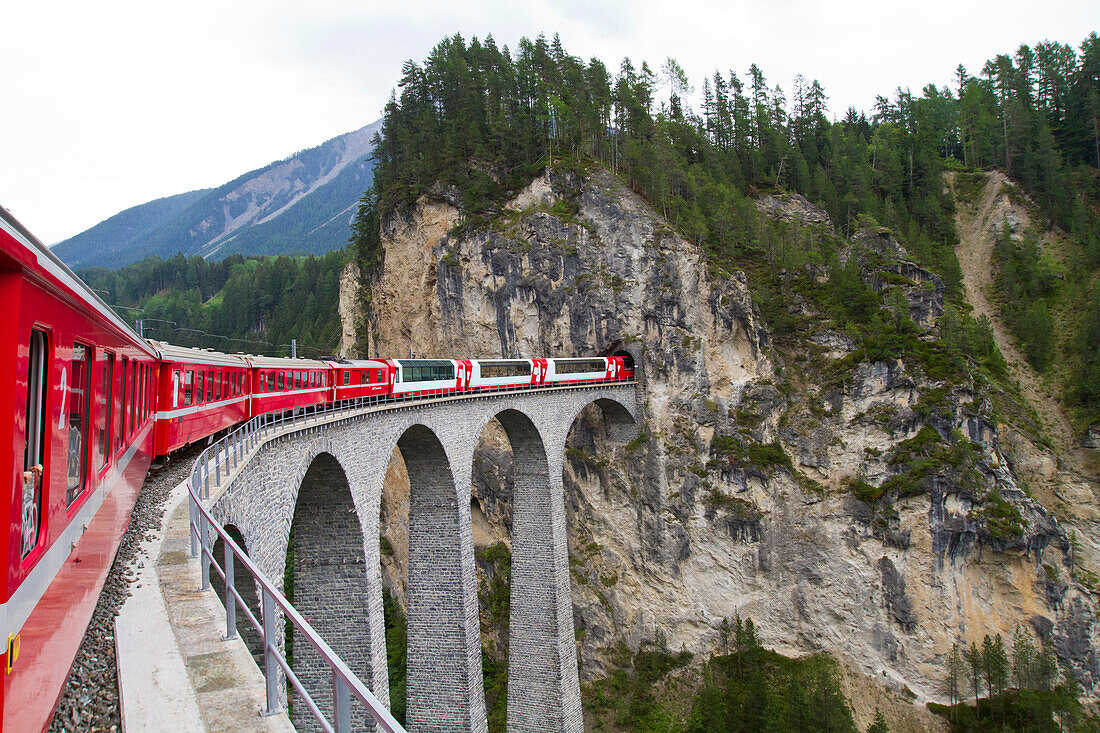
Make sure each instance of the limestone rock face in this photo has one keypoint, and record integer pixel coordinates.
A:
(792, 207)
(736, 498)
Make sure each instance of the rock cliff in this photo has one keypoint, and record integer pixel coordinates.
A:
(852, 507)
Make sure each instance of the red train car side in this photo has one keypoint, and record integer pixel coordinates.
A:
(200, 392)
(287, 384)
(78, 446)
(360, 378)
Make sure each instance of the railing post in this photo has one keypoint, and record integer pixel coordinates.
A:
(271, 665)
(230, 601)
(193, 510)
(204, 559)
(341, 700)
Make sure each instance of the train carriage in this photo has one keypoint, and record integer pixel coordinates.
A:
(422, 377)
(82, 404)
(572, 371)
(200, 393)
(502, 373)
(360, 378)
(280, 384)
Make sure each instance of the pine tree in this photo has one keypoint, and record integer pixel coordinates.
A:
(956, 672)
(879, 724)
(974, 661)
(1024, 660)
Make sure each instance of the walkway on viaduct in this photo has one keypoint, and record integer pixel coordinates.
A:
(320, 487)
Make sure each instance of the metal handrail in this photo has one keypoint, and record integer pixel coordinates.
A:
(215, 464)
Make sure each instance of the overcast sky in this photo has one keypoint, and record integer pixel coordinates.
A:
(110, 104)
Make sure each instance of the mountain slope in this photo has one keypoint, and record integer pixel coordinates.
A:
(299, 205)
(119, 233)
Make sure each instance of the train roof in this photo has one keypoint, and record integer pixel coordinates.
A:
(358, 363)
(50, 263)
(282, 362)
(578, 358)
(171, 352)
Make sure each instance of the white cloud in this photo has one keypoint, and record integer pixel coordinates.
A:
(111, 104)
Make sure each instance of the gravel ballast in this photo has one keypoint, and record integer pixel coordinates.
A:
(89, 701)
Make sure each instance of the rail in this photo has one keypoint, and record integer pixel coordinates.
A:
(215, 464)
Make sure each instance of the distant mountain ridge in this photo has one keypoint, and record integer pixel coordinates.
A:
(301, 205)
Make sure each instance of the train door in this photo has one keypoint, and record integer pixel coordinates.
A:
(34, 452)
(103, 398)
(120, 405)
(610, 369)
(465, 373)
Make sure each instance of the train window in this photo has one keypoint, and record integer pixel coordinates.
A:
(188, 386)
(78, 389)
(123, 423)
(35, 437)
(495, 369)
(103, 407)
(282, 381)
(200, 386)
(347, 376)
(132, 414)
(120, 426)
(210, 386)
(579, 366)
(127, 399)
(139, 376)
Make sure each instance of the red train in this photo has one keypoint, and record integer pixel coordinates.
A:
(93, 403)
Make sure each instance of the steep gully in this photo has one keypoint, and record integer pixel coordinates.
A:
(977, 224)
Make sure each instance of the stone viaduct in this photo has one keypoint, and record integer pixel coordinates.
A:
(320, 489)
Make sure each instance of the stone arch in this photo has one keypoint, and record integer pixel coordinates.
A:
(444, 682)
(618, 420)
(330, 584)
(543, 685)
(246, 588)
